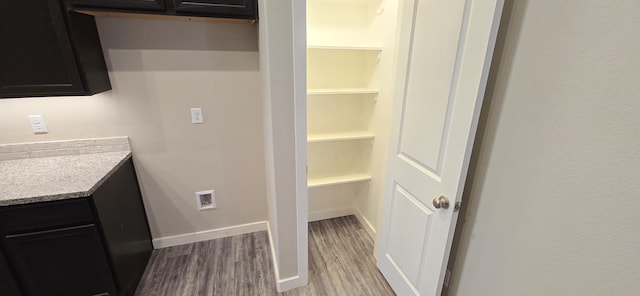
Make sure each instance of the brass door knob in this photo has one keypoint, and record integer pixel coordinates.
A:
(441, 202)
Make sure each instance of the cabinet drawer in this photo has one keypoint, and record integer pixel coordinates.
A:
(142, 5)
(241, 9)
(46, 215)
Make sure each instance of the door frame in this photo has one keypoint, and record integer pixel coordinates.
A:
(297, 45)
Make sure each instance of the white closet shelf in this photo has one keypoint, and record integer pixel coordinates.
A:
(344, 47)
(341, 91)
(342, 1)
(339, 137)
(344, 179)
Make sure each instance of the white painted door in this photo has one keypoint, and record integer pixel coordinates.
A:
(445, 50)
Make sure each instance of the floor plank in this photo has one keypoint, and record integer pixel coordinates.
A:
(341, 262)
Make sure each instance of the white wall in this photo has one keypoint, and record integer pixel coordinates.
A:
(386, 24)
(554, 200)
(283, 66)
(160, 69)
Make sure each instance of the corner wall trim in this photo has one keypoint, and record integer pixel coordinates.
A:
(282, 284)
(367, 225)
(199, 236)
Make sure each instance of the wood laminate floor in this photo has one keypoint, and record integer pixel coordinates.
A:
(341, 262)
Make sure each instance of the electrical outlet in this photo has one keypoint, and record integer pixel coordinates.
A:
(196, 115)
(37, 124)
(206, 200)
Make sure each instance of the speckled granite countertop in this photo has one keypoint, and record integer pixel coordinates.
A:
(39, 179)
(55, 178)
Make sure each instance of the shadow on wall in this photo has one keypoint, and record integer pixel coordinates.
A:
(199, 39)
(492, 104)
(176, 34)
(162, 192)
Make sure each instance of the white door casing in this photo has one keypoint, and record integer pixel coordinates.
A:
(445, 49)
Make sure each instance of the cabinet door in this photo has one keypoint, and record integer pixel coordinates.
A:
(69, 261)
(221, 8)
(8, 284)
(36, 57)
(151, 5)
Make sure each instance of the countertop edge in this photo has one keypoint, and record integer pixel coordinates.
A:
(69, 195)
(108, 174)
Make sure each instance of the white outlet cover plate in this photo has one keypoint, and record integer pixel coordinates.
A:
(196, 115)
(37, 124)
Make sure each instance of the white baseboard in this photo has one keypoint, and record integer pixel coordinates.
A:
(188, 238)
(289, 283)
(282, 284)
(365, 223)
(328, 214)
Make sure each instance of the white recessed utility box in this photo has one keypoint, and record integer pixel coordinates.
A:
(206, 200)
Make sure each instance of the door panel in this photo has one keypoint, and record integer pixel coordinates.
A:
(69, 261)
(8, 284)
(426, 101)
(445, 49)
(406, 244)
(36, 57)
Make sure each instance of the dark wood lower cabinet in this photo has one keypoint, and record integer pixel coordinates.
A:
(8, 283)
(69, 261)
(99, 245)
(120, 210)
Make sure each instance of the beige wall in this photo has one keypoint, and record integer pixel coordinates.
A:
(555, 198)
(159, 70)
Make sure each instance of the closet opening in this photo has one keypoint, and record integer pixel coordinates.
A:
(349, 103)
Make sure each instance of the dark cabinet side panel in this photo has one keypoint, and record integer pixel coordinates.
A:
(222, 8)
(69, 261)
(124, 223)
(36, 57)
(83, 33)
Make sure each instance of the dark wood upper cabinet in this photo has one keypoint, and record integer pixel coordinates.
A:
(152, 5)
(229, 9)
(52, 47)
(233, 8)
(47, 51)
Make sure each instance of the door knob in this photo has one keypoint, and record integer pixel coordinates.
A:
(441, 202)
